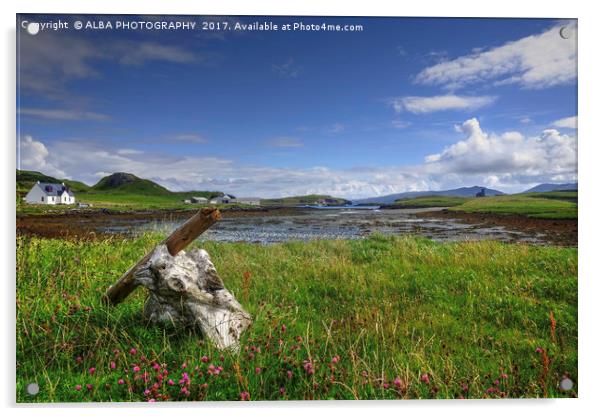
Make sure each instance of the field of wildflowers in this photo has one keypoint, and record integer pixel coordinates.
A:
(381, 318)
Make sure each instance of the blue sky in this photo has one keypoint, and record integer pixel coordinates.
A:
(404, 104)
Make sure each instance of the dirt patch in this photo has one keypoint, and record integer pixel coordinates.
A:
(558, 232)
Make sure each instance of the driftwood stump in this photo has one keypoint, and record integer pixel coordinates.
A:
(185, 290)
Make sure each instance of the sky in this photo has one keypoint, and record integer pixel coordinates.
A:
(404, 104)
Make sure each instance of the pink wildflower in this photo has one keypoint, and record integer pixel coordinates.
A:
(244, 396)
(89, 387)
(78, 387)
(205, 359)
(120, 381)
(113, 365)
(257, 370)
(397, 382)
(91, 370)
(425, 378)
(335, 359)
(136, 369)
(133, 351)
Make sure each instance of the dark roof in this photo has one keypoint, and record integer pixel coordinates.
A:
(54, 189)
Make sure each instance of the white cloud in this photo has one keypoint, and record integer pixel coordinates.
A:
(508, 161)
(65, 115)
(566, 123)
(423, 105)
(536, 61)
(34, 155)
(509, 156)
(48, 61)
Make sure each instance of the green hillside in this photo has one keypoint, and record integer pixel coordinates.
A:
(122, 182)
(27, 178)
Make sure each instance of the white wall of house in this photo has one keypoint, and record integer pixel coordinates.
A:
(36, 195)
(67, 199)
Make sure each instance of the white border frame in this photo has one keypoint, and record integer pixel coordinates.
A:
(590, 151)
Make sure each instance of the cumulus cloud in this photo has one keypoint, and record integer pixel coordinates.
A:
(509, 161)
(34, 155)
(509, 156)
(566, 123)
(423, 105)
(63, 115)
(536, 61)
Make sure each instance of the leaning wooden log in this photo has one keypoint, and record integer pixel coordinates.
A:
(177, 241)
(185, 290)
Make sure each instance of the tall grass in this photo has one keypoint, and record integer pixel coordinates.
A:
(381, 318)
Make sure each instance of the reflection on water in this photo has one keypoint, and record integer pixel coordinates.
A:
(338, 224)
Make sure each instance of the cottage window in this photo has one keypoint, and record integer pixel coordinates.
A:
(42, 199)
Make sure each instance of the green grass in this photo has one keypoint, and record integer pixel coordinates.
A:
(432, 201)
(469, 316)
(531, 205)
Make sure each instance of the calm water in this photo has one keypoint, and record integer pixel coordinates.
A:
(339, 224)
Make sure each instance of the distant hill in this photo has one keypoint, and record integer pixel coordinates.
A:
(549, 187)
(305, 200)
(464, 192)
(27, 178)
(123, 182)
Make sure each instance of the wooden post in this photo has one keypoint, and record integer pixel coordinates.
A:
(177, 241)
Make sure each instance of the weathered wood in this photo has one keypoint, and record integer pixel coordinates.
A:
(176, 242)
(185, 290)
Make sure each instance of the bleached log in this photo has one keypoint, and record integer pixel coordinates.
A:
(185, 290)
(176, 241)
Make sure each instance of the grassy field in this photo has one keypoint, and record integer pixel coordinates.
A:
(119, 202)
(381, 318)
(532, 205)
(432, 201)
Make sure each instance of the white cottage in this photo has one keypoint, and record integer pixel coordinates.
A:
(50, 194)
